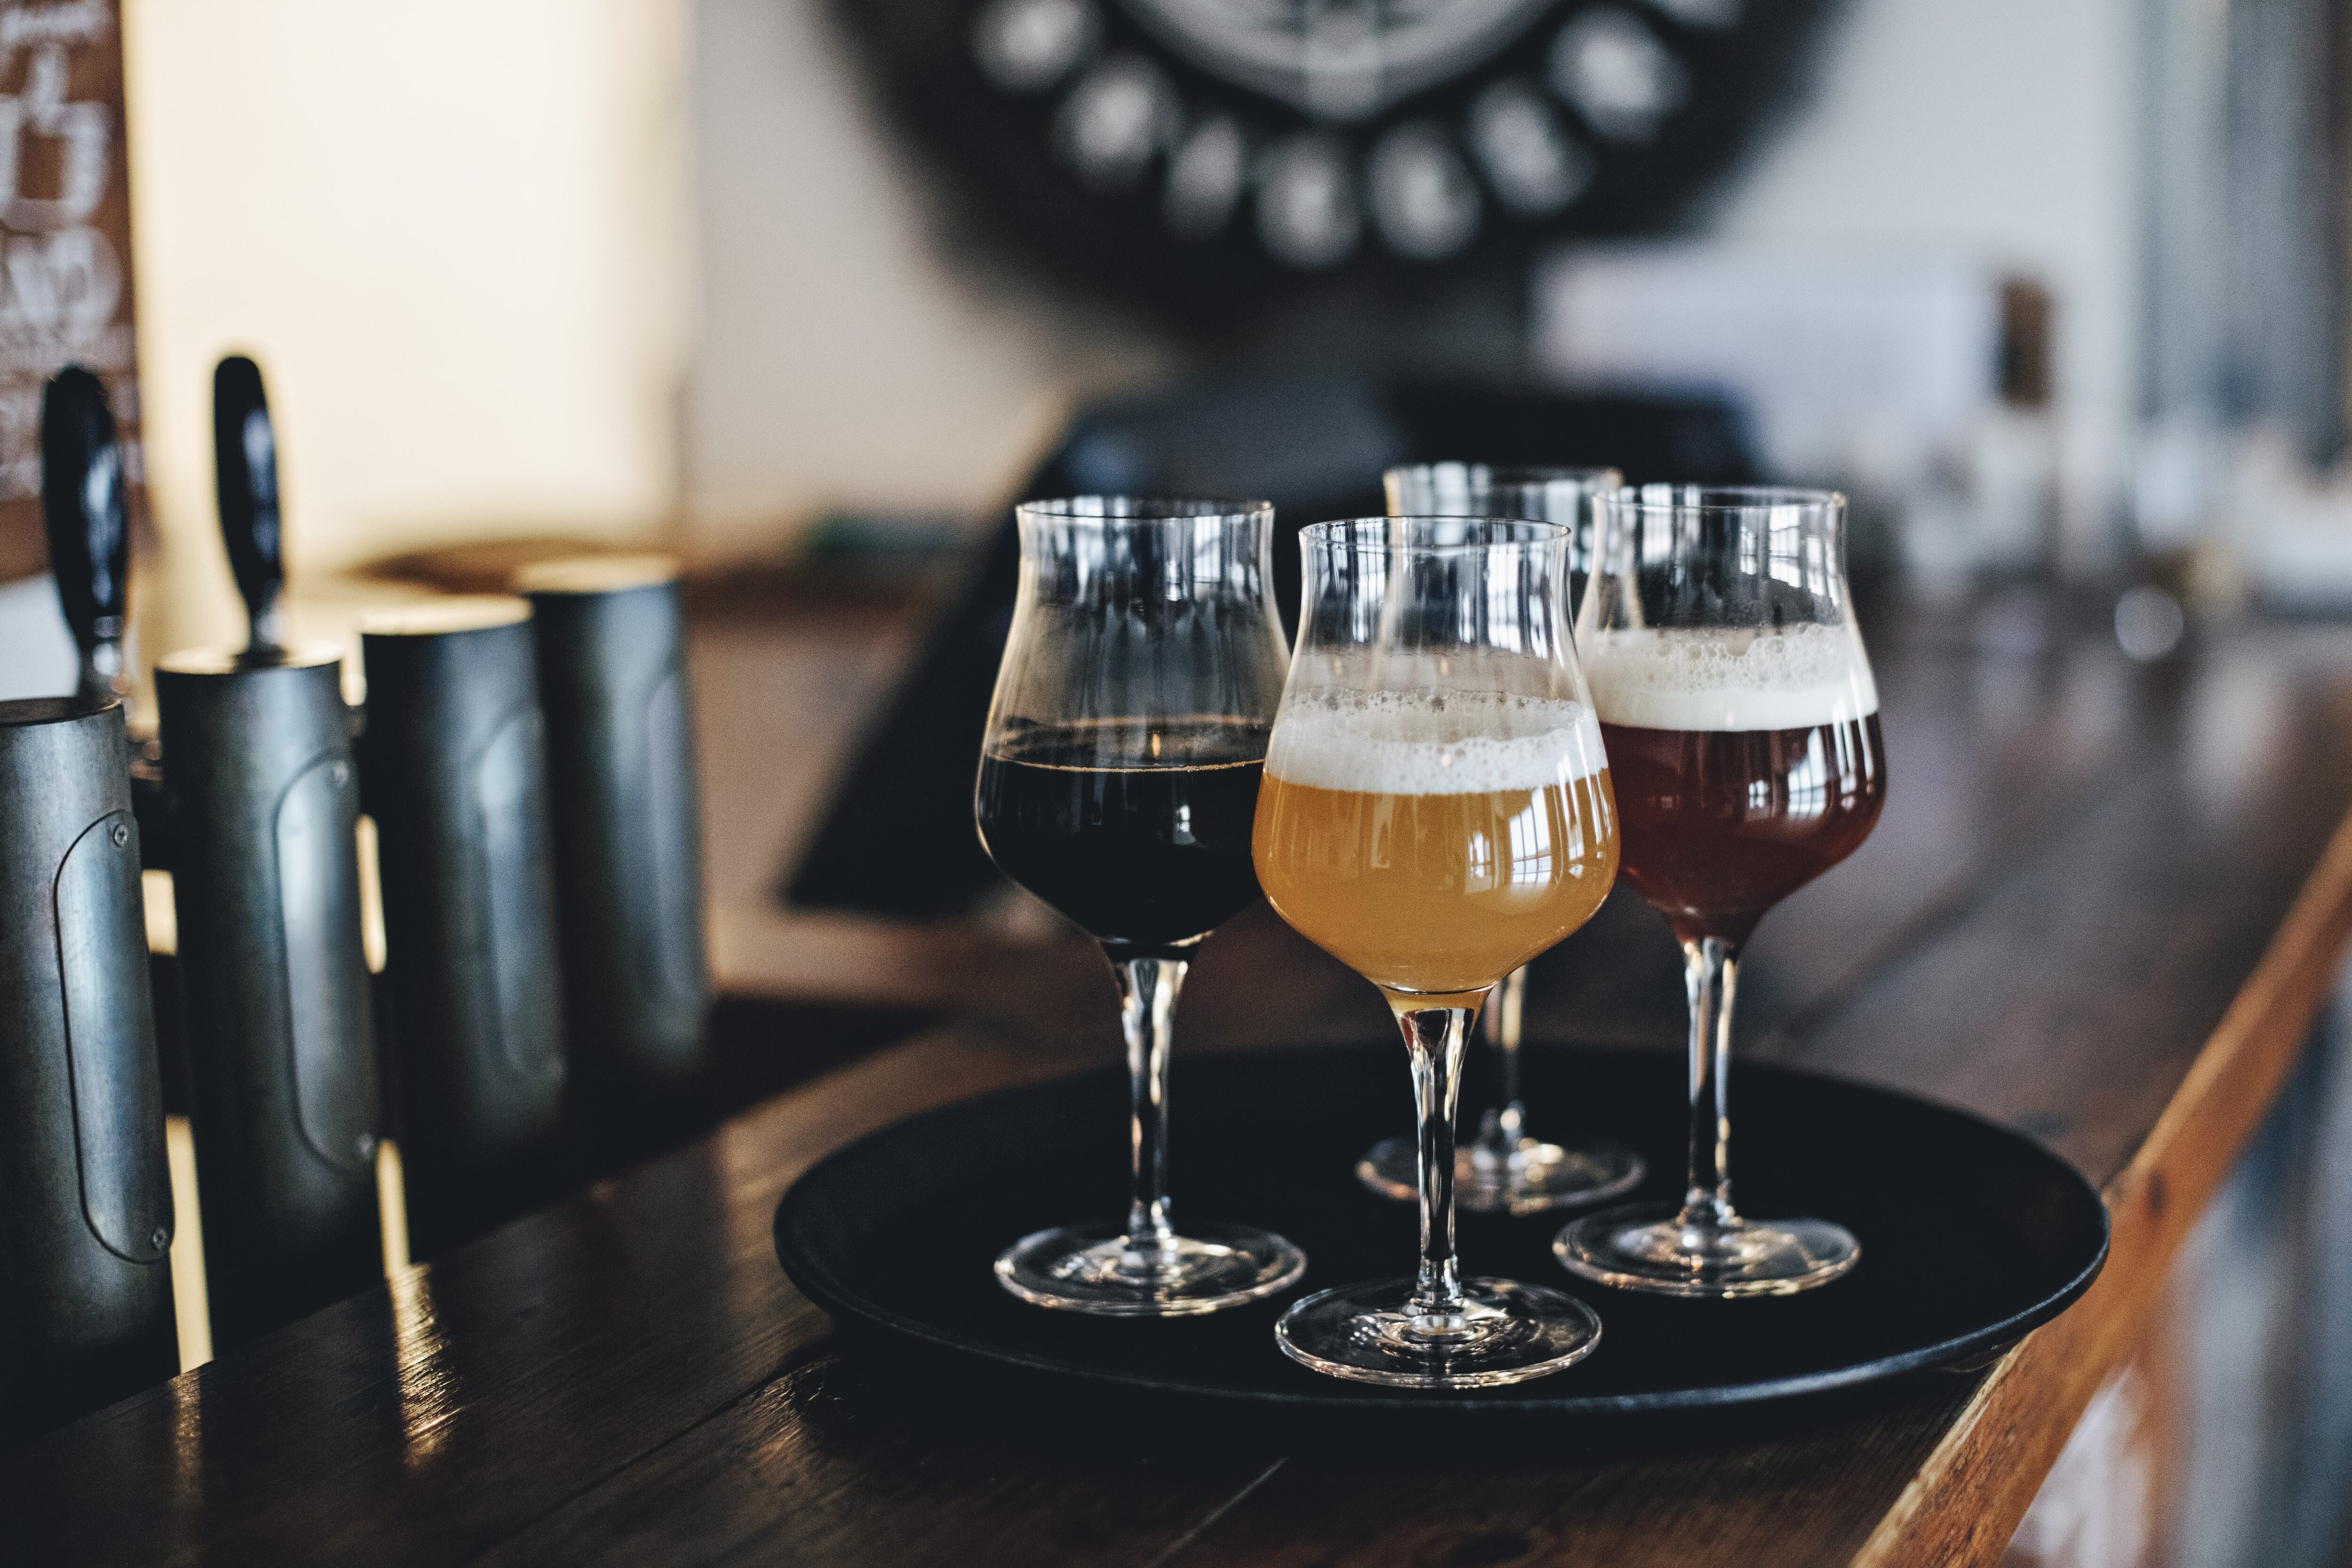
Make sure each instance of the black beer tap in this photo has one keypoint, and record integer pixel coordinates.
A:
(281, 1025)
(85, 1279)
(85, 504)
(90, 536)
(244, 481)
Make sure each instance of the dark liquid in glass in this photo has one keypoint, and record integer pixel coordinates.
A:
(1138, 830)
(1719, 825)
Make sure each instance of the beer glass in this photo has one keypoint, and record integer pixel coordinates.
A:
(1436, 812)
(1504, 1169)
(1117, 781)
(1742, 724)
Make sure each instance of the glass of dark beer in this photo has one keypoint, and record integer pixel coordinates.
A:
(1742, 724)
(1505, 1168)
(1119, 782)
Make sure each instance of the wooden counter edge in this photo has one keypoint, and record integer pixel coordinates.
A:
(1963, 1507)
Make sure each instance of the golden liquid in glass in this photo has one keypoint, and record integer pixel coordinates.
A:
(1435, 894)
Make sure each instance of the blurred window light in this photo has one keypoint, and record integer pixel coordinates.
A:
(1857, 364)
(37, 657)
(1027, 45)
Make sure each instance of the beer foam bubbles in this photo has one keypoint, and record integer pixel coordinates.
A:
(1726, 679)
(1433, 742)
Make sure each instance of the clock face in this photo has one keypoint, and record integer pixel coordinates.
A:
(1336, 61)
(1197, 156)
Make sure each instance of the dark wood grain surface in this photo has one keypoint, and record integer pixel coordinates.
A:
(2093, 910)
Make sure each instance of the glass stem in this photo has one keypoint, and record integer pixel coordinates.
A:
(1148, 988)
(1502, 1133)
(1711, 974)
(1433, 1038)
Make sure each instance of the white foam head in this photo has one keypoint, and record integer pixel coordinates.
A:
(1433, 742)
(1726, 680)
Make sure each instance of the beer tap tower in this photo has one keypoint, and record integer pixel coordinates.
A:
(88, 526)
(264, 800)
(620, 743)
(456, 769)
(85, 1192)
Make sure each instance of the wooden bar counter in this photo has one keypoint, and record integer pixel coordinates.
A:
(2104, 906)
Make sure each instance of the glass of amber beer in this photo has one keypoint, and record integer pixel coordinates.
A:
(1436, 812)
(1505, 1168)
(1119, 782)
(1742, 724)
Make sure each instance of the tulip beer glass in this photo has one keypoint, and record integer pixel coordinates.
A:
(1436, 812)
(1119, 782)
(1742, 726)
(1505, 1168)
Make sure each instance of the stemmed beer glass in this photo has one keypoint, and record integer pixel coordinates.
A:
(1436, 812)
(1742, 726)
(1119, 782)
(1503, 1168)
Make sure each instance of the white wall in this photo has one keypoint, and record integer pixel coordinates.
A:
(844, 355)
(455, 234)
(2002, 128)
(38, 656)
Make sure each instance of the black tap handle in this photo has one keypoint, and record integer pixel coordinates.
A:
(244, 478)
(89, 537)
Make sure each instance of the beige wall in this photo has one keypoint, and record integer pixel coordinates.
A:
(622, 267)
(455, 234)
(844, 354)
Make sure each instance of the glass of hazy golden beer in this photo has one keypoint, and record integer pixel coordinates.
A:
(1436, 812)
(1505, 1168)
(1742, 722)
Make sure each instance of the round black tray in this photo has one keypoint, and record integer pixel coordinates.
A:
(1971, 1234)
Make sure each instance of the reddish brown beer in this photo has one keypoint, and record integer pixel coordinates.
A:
(1719, 825)
(1741, 721)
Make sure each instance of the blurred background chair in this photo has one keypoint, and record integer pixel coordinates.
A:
(897, 836)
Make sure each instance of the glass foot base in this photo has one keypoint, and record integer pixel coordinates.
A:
(1650, 1249)
(1096, 1268)
(1539, 1176)
(1506, 1332)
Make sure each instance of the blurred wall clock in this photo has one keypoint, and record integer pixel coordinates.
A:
(1203, 156)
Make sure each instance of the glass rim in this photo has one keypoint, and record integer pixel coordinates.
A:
(1518, 473)
(1667, 497)
(1336, 531)
(1114, 508)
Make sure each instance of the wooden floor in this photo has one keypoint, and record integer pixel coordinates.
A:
(2101, 908)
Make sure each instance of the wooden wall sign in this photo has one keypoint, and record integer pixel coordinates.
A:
(65, 244)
